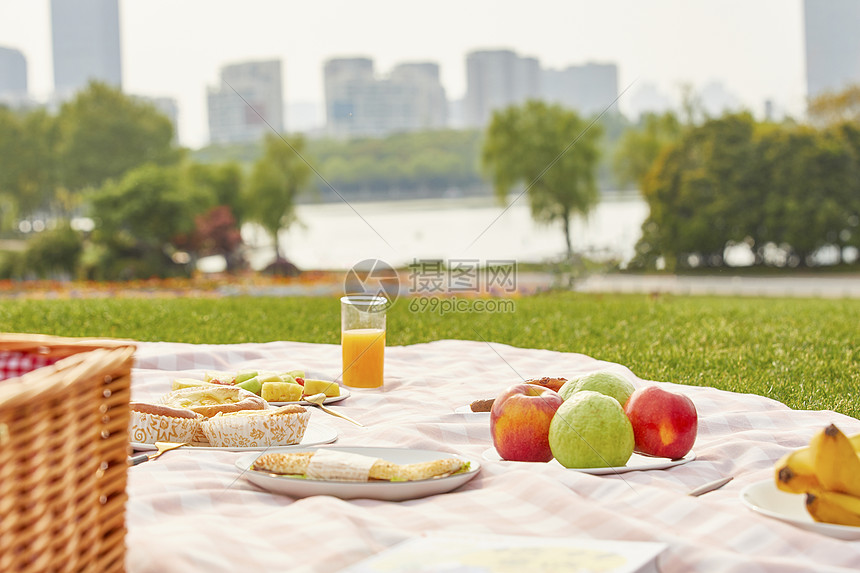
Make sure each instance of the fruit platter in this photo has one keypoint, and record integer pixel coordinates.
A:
(816, 487)
(596, 422)
(275, 387)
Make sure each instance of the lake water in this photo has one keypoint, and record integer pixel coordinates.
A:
(336, 235)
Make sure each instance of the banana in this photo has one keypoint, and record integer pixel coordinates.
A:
(855, 441)
(795, 471)
(833, 507)
(836, 464)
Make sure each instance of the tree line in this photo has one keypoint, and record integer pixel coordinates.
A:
(113, 159)
(784, 189)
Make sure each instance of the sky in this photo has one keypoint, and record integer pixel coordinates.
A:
(754, 48)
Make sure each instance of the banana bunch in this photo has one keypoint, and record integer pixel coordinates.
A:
(828, 472)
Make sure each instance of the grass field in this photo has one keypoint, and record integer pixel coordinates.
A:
(802, 352)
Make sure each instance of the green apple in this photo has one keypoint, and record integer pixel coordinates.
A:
(603, 381)
(591, 430)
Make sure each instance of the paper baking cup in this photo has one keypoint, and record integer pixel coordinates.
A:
(255, 428)
(146, 428)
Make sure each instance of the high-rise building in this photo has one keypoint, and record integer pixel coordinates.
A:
(85, 42)
(496, 79)
(832, 30)
(588, 89)
(247, 104)
(359, 104)
(13, 73)
(430, 106)
(343, 79)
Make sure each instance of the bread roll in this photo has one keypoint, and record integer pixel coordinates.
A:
(150, 423)
(283, 426)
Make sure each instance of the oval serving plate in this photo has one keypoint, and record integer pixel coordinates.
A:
(766, 499)
(637, 462)
(381, 490)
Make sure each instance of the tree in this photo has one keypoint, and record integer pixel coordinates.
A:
(832, 108)
(54, 253)
(639, 147)
(138, 217)
(28, 161)
(104, 133)
(549, 150)
(215, 233)
(812, 199)
(276, 180)
(224, 181)
(701, 193)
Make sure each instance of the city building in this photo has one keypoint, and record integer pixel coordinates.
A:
(832, 31)
(247, 104)
(85, 43)
(588, 89)
(358, 103)
(496, 79)
(13, 73)
(429, 107)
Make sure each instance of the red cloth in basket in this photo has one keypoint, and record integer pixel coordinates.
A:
(14, 364)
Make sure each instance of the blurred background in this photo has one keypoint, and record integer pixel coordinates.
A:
(161, 139)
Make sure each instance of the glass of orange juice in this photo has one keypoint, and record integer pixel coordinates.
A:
(362, 339)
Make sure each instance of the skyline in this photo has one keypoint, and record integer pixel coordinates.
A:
(756, 56)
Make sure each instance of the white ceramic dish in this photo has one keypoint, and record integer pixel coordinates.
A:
(636, 462)
(388, 491)
(765, 498)
(315, 435)
(344, 393)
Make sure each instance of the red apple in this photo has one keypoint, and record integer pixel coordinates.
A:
(664, 423)
(519, 422)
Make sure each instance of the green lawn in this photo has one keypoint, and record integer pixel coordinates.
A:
(802, 352)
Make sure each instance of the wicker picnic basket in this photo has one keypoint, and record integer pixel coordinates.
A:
(63, 453)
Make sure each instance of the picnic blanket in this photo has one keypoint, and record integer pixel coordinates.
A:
(192, 510)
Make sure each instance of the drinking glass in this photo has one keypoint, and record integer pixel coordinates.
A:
(362, 339)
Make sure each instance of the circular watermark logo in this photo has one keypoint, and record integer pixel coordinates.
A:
(373, 277)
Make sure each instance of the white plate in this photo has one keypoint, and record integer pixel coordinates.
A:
(637, 462)
(388, 491)
(765, 498)
(468, 410)
(344, 393)
(315, 434)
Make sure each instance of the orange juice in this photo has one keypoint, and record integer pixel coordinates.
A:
(363, 354)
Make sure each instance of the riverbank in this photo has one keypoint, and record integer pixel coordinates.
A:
(798, 286)
(330, 284)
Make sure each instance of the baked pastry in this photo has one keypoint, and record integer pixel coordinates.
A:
(282, 426)
(211, 400)
(482, 405)
(152, 423)
(335, 465)
(548, 382)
